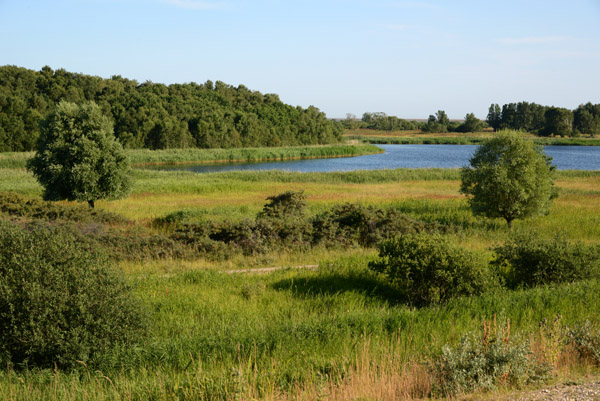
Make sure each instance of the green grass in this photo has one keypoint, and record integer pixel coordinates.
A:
(221, 336)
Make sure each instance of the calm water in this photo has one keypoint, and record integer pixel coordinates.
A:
(408, 156)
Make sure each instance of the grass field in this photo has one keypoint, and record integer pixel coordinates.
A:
(338, 332)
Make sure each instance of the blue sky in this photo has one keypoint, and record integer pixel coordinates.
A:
(404, 58)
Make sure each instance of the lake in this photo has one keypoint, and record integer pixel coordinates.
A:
(405, 156)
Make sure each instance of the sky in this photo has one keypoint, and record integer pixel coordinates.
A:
(403, 58)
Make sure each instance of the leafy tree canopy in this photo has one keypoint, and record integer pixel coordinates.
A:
(78, 158)
(509, 177)
(157, 116)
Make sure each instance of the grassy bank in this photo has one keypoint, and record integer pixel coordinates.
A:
(175, 156)
(451, 138)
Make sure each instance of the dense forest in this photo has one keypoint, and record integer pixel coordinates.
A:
(158, 116)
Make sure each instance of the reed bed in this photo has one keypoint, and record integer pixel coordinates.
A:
(139, 157)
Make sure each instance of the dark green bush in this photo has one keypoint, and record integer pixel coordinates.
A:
(285, 205)
(427, 269)
(527, 260)
(280, 225)
(283, 224)
(245, 236)
(60, 304)
(350, 223)
(197, 237)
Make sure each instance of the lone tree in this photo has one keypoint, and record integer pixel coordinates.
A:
(509, 177)
(78, 157)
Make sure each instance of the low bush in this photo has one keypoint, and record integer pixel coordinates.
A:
(427, 269)
(485, 361)
(585, 338)
(362, 225)
(287, 204)
(16, 205)
(59, 303)
(527, 260)
(283, 224)
(130, 243)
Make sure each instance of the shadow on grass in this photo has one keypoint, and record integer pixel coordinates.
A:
(330, 282)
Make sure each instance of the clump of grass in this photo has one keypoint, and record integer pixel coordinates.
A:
(14, 159)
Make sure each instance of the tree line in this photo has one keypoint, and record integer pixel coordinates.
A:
(436, 123)
(546, 120)
(157, 116)
(523, 116)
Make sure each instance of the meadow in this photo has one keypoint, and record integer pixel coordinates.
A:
(335, 332)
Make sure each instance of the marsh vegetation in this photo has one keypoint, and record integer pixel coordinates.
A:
(344, 330)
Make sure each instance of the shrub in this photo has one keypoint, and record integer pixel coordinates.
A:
(58, 303)
(356, 224)
(282, 222)
(16, 205)
(197, 236)
(527, 260)
(245, 235)
(287, 204)
(428, 269)
(585, 338)
(486, 361)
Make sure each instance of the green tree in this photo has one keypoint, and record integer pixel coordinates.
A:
(494, 117)
(471, 124)
(509, 177)
(78, 158)
(442, 118)
(437, 123)
(559, 121)
(586, 119)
